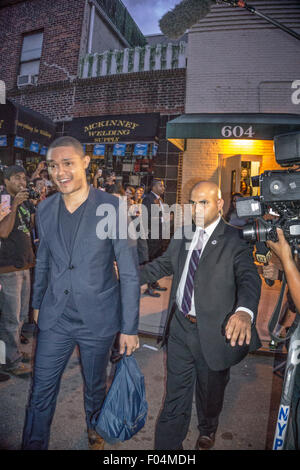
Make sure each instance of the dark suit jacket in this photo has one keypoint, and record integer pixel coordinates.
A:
(148, 201)
(226, 278)
(87, 273)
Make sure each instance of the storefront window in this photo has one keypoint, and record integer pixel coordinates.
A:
(130, 169)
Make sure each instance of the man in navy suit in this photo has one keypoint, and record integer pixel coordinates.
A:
(77, 298)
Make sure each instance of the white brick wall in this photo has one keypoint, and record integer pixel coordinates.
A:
(238, 62)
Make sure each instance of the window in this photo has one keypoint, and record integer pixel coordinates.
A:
(31, 54)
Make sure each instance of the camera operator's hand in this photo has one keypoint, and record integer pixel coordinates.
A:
(270, 271)
(292, 274)
(281, 248)
(238, 328)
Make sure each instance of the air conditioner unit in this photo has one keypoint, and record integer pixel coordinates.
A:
(24, 80)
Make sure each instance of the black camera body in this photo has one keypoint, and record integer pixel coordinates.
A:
(32, 193)
(279, 192)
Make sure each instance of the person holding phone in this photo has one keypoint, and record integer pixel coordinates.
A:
(16, 259)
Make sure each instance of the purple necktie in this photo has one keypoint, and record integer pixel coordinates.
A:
(189, 283)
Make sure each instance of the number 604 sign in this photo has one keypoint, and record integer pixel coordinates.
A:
(237, 131)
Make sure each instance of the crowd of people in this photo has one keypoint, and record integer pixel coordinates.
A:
(20, 196)
(86, 292)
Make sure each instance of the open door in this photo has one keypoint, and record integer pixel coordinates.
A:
(230, 178)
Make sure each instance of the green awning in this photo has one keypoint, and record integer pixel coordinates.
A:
(252, 126)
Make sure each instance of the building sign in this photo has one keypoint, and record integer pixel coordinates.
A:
(140, 149)
(154, 150)
(99, 150)
(19, 142)
(24, 122)
(34, 147)
(252, 126)
(113, 129)
(43, 150)
(119, 150)
(3, 140)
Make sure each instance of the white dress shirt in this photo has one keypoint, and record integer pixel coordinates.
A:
(180, 290)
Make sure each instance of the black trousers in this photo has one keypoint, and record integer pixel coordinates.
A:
(187, 370)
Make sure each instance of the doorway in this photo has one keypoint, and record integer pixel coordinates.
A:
(235, 173)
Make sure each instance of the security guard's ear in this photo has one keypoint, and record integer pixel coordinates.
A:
(220, 204)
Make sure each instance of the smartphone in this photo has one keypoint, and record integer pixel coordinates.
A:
(5, 200)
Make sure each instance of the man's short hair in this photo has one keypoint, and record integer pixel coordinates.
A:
(155, 181)
(12, 170)
(67, 141)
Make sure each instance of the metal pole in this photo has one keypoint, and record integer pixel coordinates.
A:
(284, 437)
(242, 4)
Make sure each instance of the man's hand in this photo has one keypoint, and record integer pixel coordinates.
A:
(19, 198)
(281, 248)
(131, 342)
(35, 315)
(239, 328)
(270, 271)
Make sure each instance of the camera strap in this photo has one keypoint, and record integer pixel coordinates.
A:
(276, 315)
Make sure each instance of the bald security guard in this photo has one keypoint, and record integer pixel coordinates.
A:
(211, 317)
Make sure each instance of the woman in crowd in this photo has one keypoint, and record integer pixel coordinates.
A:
(139, 193)
(231, 217)
(98, 180)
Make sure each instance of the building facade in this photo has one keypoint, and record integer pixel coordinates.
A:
(79, 63)
(243, 78)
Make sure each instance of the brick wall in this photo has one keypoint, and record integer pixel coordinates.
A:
(238, 62)
(145, 92)
(62, 23)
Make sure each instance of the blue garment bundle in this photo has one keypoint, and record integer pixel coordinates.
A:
(125, 408)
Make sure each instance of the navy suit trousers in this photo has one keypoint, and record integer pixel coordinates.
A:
(53, 350)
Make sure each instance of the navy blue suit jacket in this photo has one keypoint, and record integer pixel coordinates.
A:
(86, 270)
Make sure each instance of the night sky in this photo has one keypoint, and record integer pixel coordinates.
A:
(147, 13)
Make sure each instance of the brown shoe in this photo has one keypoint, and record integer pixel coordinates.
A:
(96, 442)
(205, 442)
(21, 370)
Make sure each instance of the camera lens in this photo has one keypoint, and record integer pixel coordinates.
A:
(260, 231)
(249, 233)
(277, 187)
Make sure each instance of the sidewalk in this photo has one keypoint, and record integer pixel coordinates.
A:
(247, 421)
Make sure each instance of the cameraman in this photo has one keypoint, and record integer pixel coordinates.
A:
(283, 251)
(16, 259)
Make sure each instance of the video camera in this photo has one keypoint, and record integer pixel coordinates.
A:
(32, 193)
(279, 193)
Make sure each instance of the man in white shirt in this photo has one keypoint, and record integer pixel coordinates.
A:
(211, 318)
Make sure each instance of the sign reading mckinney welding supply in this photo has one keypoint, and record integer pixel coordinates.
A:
(114, 129)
